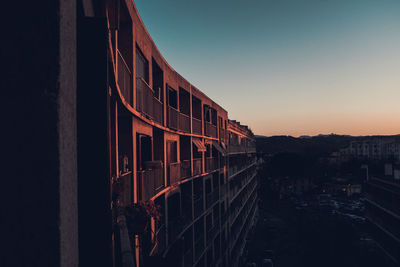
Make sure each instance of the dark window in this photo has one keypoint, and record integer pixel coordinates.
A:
(143, 150)
(184, 101)
(158, 81)
(172, 98)
(196, 108)
(213, 116)
(142, 66)
(207, 113)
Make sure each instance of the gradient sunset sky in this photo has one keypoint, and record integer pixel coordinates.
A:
(299, 67)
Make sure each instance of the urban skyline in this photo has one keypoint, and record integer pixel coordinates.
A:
(315, 67)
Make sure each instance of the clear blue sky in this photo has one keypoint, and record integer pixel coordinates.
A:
(288, 67)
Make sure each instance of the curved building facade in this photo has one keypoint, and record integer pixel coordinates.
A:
(171, 144)
(105, 124)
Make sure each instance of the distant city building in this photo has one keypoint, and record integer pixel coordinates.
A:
(374, 149)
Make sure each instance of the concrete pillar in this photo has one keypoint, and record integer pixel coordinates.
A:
(40, 173)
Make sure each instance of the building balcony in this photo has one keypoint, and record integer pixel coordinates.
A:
(235, 169)
(174, 229)
(124, 79)
(196, 124)
(212, 233)
(184, 123)
(188, 258)
(236, 148)
(233, 148)
(211, 164)
(158, 111)
(223, 218)
(154, 241)
(222, 134)
(126, 196)
(186, 219)
(251, 149)
(174, 173)
(215, 195)
(211, 130)
(211, 198)
(389, 185)
(173, 118)
(385, 220)
(198, 207)
(385, 193)
(185, 169)
(199, 247)
(197, 166)
(146, 103)
(150, 182)
(223, 190)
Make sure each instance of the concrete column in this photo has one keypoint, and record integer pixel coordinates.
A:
(39, 107)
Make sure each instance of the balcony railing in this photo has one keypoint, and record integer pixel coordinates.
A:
(211, 198)
(154, 240)
(208, 200)
(223, 189)
(211, 130)
(196, 124)
(236, 148)
(237, 167)
(172, 118)
(158, 111)
(146, 103)
(174, 229)
(126, 196)
(211, 164)
(174, 173)
(160, 238)
(223, 217)
(387, 200)
(212, 233)
(199, 247)
(186, 218)
(124, 79)
(144, 97)
(188, 258)
(215, 195)
(222, 134)
(197, 166)
(391, 185)
(150, 182)
(198, 206)
(185, 169)
(251, 149)
(233, 148)
(184, 123)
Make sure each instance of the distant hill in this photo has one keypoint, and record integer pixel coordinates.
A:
(320, 145)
